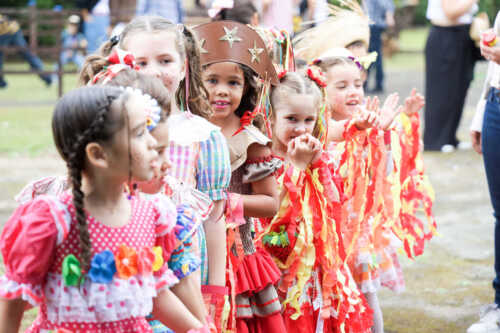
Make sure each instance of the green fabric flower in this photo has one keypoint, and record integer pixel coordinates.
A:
(71, 270)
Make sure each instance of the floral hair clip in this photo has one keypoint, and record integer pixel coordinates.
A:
(368, 59)
(119, 60)
(356, 62)
(114, 40)
(152, 108)
(119, 56)
(317, 76)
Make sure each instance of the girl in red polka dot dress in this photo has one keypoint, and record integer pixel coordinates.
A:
(93, 259)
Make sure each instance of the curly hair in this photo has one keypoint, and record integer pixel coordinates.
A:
(82, 116)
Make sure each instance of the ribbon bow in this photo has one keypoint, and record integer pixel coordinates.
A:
(119, 60)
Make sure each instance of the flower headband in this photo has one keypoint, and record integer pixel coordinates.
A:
(153, 110)
(119, 60)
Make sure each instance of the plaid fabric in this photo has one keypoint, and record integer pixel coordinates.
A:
(214, 167)
(184, 162)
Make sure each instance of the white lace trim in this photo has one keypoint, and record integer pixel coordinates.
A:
(95, 302)
(185, 129)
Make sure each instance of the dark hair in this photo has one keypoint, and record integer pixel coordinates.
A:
(82, 116)
(188, 48)
(242, 12)
(128, 77)
(250, 95)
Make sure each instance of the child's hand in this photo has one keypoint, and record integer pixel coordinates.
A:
(389, 111)
(366, 119)
(413, 103)
(303, 150)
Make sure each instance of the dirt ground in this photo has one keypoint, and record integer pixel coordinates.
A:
(447, 285)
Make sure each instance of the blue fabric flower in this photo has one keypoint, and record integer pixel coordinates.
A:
(183, 261)
(102, 267)
(186, 219)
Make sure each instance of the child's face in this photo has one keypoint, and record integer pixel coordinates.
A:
(293, 116)
(134, 148)
(344, 90)
(72, 29)
(225, 83)
(156, 54)
(160, 133)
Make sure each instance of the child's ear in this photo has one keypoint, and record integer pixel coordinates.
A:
(96, 155)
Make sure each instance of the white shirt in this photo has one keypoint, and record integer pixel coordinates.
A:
(435, 12)
(492, 80)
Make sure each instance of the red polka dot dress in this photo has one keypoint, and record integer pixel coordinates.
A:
(40, 248)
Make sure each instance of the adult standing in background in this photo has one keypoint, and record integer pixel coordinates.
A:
(171, 10)
(96, 21)
(485, 134)
(277, 13)
(450, 56)
(381, 14)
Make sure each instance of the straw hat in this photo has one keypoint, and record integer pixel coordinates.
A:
(346, 25)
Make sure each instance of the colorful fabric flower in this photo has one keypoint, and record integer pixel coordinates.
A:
(185, 222)
(145, 261)
(126, 262)
(102, 267)
(158, 262)
(71, 270)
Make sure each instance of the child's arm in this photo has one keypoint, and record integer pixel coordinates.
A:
(189, 292)
(169, 310)
(11, 314)
(263, 202)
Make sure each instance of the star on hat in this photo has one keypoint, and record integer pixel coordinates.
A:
(230, 36)
(255, 52)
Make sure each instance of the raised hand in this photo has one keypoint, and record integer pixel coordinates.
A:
(413, 103)
(389, 111)
(365, 119)
(303, 150)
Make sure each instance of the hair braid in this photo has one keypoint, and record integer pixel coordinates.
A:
(83, 116)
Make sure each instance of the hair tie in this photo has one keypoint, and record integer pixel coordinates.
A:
(119, 60)
(282, 74)
(119, 56)
(316, 75)
(114, 40)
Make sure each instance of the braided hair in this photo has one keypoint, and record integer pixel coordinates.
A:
(80, 117)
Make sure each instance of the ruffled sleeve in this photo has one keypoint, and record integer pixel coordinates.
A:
(214, 166)
(175, 228)
(28, 242)
(52, 185)
(256, 170)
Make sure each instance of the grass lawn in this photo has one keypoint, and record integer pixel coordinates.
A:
(25, 130)
(29, 89)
